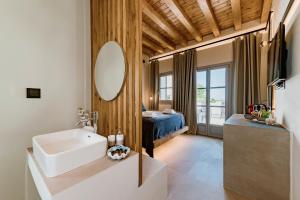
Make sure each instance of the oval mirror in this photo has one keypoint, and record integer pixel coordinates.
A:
(110, 70)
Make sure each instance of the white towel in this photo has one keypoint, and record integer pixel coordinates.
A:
(169, 111)
(150, 113)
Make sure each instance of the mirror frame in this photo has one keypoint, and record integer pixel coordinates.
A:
(125, 72)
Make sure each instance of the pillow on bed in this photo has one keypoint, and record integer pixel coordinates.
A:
(143, 108)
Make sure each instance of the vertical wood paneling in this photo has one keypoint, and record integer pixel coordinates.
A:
(121, 21)
(138, 86)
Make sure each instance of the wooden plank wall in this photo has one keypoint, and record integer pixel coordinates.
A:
(120, 21)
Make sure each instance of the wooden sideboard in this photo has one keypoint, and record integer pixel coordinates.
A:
(256, 159)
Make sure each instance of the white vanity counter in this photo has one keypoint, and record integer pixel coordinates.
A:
(103, 179)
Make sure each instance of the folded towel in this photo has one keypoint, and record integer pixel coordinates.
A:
(150, 113)
(169, 111)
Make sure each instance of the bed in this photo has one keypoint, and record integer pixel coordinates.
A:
(159, 128)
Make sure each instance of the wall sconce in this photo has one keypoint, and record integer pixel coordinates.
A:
(151, 104)
(264, 43)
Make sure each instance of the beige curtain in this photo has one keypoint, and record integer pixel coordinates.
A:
(184, 87)
(154, 87)
(246, 73)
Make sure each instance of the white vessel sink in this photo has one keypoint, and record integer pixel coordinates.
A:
(60, 152)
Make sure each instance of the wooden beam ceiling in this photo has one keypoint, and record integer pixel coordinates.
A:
(208, 12)
(148, 51)
(265, 11)
(152, 45)
(156, 36)
(236, 12)
(183, 18)
(162, 23)
(170, 24)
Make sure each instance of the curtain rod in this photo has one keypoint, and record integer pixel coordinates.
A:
(287, 10)
(203, 45)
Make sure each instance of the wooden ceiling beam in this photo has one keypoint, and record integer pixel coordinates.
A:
(236, 12)
(147, 42)
(156, 36)
(208, 12)
(183, 18)
(162, 23)
(147, 51)
(265, 10)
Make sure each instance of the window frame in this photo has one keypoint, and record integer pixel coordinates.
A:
(227, 66)
(165, 74)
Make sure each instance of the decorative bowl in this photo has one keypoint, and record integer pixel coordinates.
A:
(118, 152)
(254, 118)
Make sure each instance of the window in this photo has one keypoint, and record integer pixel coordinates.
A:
(211, 95)
(165, 87)
(212, 100)
(217, 95)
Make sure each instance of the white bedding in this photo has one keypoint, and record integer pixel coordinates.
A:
(169, 111)
(150, 113)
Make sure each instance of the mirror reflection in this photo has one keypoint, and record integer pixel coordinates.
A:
(110, 70)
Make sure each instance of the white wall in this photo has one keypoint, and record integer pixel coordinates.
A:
(287, 100)
(279, 7)
(215, 55)
(205, 57)
(44, 44)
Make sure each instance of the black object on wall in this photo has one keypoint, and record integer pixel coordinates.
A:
(277, 58)
(33, 93)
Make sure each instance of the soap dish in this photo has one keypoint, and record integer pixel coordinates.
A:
(118, 152)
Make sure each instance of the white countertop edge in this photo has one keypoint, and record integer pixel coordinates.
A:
(38, 179)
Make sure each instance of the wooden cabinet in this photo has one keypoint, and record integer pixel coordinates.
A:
(256, 159)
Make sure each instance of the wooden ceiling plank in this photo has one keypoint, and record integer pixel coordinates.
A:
(265, 11)
(175, 7)
(162, 23)
(156, 36)
(236, 12)
(208, 12)
(148, 51)
(152, 45)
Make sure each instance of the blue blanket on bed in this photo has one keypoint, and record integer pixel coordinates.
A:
(160, 126)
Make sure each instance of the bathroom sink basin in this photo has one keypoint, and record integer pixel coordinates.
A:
(60, 152)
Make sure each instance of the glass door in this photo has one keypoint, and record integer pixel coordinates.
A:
(211, 100)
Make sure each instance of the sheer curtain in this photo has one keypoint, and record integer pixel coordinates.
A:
(154, 85)
(245, 73)
(184, 87)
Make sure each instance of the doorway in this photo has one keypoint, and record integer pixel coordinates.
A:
(212, 100)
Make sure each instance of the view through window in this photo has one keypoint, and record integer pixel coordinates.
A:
(211, 95)
(165, 87)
